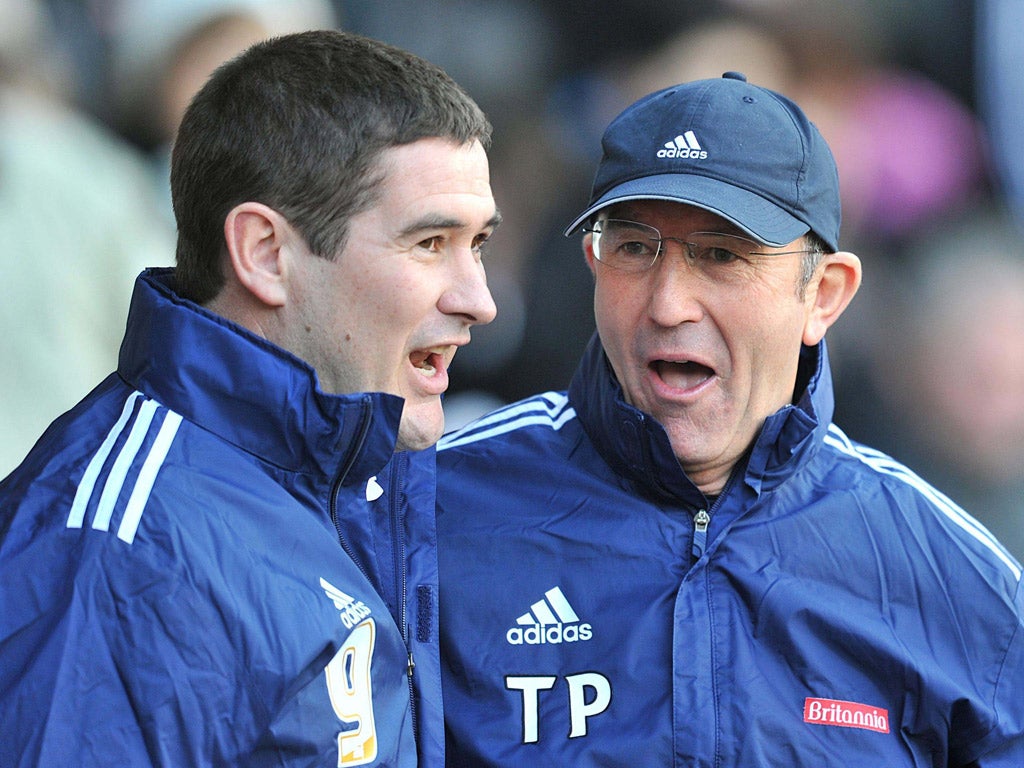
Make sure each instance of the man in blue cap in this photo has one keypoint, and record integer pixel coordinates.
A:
(681, 560)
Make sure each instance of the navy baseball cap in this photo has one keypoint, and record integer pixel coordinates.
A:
(743, 152)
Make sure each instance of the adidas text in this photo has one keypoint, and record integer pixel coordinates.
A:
(353, 613)
(350, 610)
(549, 634)
(695, 154)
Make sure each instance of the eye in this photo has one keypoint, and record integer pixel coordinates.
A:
(433, 244)
(635, 249)
(714, 249)
(626, 241)
(480, 243)
(627, 246)
(718, 255)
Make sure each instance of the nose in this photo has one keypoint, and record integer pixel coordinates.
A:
(675, 288)
(467, 293)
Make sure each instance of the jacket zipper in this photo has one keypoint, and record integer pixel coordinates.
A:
(364, 429)
(401, 576)
(400, 569)
(702, 519)
(700, 532)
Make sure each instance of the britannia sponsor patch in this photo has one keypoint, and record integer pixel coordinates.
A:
(847, 714)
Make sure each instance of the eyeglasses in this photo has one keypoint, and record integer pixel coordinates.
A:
(634, 247)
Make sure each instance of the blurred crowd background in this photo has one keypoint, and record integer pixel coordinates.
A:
(922, 102)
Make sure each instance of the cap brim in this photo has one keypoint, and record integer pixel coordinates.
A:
(758, 217)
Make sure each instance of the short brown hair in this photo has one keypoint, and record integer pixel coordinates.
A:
(297, 123)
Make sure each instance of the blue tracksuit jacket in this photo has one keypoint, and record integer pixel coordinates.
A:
(828, 609)
(210, 562)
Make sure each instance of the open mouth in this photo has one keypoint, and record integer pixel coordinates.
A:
(427, 361)
(682, 374)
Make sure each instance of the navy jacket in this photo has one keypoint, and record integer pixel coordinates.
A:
(208, 561)
(828, 609)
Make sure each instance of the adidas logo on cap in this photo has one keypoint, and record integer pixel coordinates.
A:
(684, 145)
(549, 621)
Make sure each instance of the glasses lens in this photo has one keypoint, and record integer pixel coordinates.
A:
(626, 245)
(714, 248)
(724, 258)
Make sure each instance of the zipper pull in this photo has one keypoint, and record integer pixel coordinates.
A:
(700, 532)
(411, 666)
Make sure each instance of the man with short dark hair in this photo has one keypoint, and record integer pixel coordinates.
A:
(218, 557)
(681, 561)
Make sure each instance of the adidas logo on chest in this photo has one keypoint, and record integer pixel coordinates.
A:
(549, 622)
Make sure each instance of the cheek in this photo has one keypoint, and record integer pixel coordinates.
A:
(618, 294)
(363, 328)
(773, 345)
(380, 303)
(617, 311)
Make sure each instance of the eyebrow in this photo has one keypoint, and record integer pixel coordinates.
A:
(435, 221)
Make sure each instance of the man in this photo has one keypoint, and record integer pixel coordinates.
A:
(681, 561)
(214, 559)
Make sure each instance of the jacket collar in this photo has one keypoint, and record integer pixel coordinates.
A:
(637, 446)
(248, 391)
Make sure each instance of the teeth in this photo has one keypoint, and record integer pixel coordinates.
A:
(424, 359)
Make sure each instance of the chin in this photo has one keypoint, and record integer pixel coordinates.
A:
(419, 430)
(418, 443)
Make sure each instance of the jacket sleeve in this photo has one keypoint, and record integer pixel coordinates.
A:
(125, 670)
(1003, 746)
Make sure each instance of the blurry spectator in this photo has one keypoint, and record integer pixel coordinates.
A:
(910, 155)
(952, 372)
(162, 51)
(909, 151)
(77, 226)
(1000, 54)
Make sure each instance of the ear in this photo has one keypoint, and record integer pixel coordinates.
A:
(838, 281)
(255, 235)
